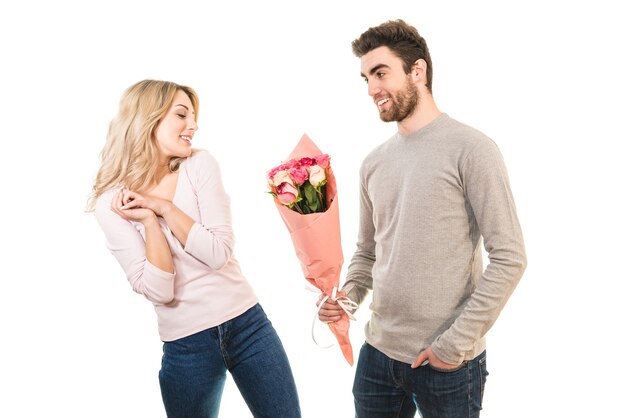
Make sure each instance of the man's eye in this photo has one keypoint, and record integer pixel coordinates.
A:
(365, 80)
(380, 74)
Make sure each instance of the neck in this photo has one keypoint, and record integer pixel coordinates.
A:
(426, 112)
(163, 170)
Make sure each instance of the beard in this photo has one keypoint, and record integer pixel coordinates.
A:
(403, 103)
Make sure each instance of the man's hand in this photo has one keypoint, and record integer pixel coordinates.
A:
(430, 357)
(330, 311)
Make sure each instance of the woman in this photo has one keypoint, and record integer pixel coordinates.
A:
(166, 218)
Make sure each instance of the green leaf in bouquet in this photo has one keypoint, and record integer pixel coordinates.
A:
(312, 198)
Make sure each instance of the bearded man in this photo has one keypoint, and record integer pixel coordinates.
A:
(430, 195)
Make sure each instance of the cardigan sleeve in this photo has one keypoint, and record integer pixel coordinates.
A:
(211, 239)
(128, 246)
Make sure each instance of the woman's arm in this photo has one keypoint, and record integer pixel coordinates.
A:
(147, 263)
(178, 221)
(211, 240)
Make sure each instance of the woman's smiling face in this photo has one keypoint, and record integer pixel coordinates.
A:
(175, 131)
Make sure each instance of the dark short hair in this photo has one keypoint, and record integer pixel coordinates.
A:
(402, 39)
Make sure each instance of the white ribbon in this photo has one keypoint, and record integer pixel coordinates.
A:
(344, 302)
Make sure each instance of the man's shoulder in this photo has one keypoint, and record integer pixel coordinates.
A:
(379, 152)
(463, 132)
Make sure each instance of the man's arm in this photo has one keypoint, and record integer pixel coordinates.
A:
(487, 189)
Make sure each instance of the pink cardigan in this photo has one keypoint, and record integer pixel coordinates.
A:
(207, 287)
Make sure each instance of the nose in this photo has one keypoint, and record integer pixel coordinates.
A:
(192, 125)
(373, 88)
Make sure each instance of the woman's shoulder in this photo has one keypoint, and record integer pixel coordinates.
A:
(104, 200)
(102, 206)
(201, 160)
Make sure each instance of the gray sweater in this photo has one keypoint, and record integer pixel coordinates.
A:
(426, 199)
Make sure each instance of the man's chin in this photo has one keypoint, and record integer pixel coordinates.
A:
(386, 117)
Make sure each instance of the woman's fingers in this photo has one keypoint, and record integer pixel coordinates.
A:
(130, 199)
(128, 196)
(116, 202)
(122, 201)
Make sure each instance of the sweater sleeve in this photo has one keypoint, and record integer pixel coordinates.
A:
(210, 240)
(487, 189)
(359, 277)
(129, 248)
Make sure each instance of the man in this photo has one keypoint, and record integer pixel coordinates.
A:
(429, 195)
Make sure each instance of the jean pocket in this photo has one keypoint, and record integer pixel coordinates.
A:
(452, 370)
(482, 369)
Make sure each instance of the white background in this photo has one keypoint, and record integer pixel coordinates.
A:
(544, 79)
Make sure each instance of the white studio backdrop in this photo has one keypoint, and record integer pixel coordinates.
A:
(544, 79)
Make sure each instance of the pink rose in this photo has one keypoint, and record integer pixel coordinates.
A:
(284, 166)
(286, 193)
(306, 161)
(317, 176)
(272, 173)
(299, 175)
(291, 164)
(323, 160)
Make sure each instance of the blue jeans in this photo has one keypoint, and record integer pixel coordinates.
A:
(385, 388)
(193, 369)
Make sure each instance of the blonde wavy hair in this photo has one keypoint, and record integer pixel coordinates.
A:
(129, 156)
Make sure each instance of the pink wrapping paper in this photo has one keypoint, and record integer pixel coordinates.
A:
(316, 239)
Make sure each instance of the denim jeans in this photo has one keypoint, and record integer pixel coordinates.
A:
(385, 388)
(193, 369)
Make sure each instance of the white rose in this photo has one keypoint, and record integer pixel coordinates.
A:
(282, 177)
(317, 175)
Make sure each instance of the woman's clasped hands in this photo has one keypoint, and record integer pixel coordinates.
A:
(138, 207)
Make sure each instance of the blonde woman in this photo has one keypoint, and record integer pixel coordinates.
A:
(166, 219)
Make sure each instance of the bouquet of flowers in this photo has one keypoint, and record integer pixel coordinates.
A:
(300, 184)
(305, 194)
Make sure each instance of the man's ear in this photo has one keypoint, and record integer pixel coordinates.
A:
(418, 71)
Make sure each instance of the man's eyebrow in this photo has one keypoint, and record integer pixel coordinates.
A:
(376, 68)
